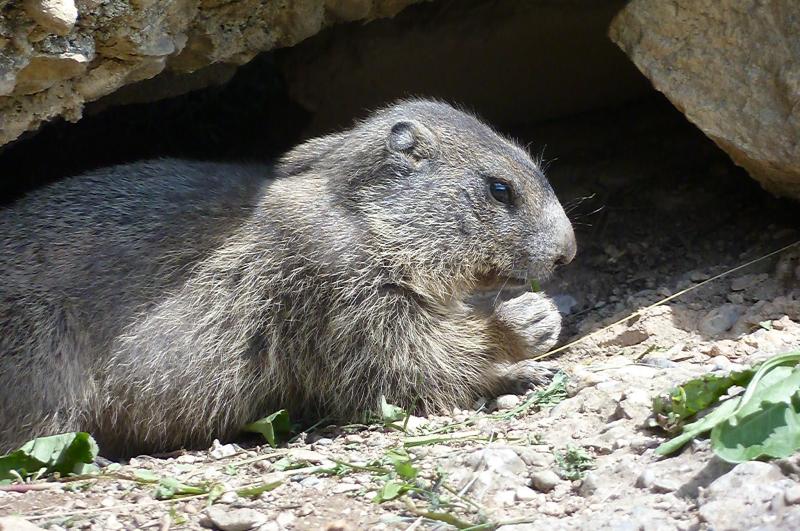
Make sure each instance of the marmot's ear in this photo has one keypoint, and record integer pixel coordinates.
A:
(304, 157)
(412, 139)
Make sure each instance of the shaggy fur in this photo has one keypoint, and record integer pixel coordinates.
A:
(166, 303)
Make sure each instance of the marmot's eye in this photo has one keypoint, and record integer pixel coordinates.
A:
(501, 191)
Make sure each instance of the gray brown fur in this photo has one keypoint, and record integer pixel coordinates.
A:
(163, 304)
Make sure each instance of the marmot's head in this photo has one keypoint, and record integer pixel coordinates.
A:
(449, 205)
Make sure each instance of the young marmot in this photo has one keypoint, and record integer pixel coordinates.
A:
(166, 303)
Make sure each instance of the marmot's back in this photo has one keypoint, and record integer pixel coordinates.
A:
(122, 234)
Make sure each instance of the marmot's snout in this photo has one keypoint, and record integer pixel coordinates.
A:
(568, 247)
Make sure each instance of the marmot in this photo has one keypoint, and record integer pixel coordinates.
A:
(166, 303)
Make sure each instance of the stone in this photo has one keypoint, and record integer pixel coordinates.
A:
(545, 481)
(341, 488)
(792, 495)
(645, 479)
(589, 485)
(233, 519)
(42, 78)
(219, 451)
(525, 494)
(485, 472)
(739, 499)
(504, 402)
(15, 523)
(731, 67)
(565, 303)
(720, 320)
(58, 16)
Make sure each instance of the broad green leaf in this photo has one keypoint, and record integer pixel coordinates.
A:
(390, 490)
(767, 424)
(773, 431)
(723, 412)
(390, 412)
(401, 462)
(272, 427)
(765, 368)
(68, 453)
(754, 424)
(255, 492)
(406, 470)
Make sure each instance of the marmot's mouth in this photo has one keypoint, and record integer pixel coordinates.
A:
(497, 281)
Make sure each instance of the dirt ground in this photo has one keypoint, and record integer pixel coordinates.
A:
(657, 209)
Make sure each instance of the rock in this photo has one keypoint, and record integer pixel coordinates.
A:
(589, 485)
(740, 498)
(58, 16)
(341, 488)
(645, 479)
(525, 494)
(285, 519)
(15, 523)
(720, 320)
(227, 519)
(540, 457)
(65, 55)
(731, 67)
(565, 303)
(504, 402)
(545, 481)
(218, 451)
(504, 498)
(487, 471)
(792, 495)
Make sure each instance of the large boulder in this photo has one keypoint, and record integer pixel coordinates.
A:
(55, 55)
(733, 68)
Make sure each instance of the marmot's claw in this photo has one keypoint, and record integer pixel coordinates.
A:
(534, 318)
(526, 375)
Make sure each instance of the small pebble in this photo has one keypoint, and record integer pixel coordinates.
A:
(588, 485)
(504, 402)
(525, 494)
(792, 495)
(645, 479)
(545, 481)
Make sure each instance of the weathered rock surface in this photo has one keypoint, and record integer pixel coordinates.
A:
(56, 55)
(731, 66)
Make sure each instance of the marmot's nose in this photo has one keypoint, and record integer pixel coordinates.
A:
(568, 247)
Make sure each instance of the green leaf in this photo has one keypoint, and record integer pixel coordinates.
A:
(401, 462)
(574, 463)
(683, 401)
(217, 490)
(169, 488)
(145, 476)
(272, 427)
(68, 453)
(255, 492)
(690, 431)
(767, 425)
(753, 424)
(390, 490)
(391, 413)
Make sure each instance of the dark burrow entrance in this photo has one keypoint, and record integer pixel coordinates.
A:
(656, 205)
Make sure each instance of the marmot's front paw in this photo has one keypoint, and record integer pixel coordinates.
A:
(534, 318)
